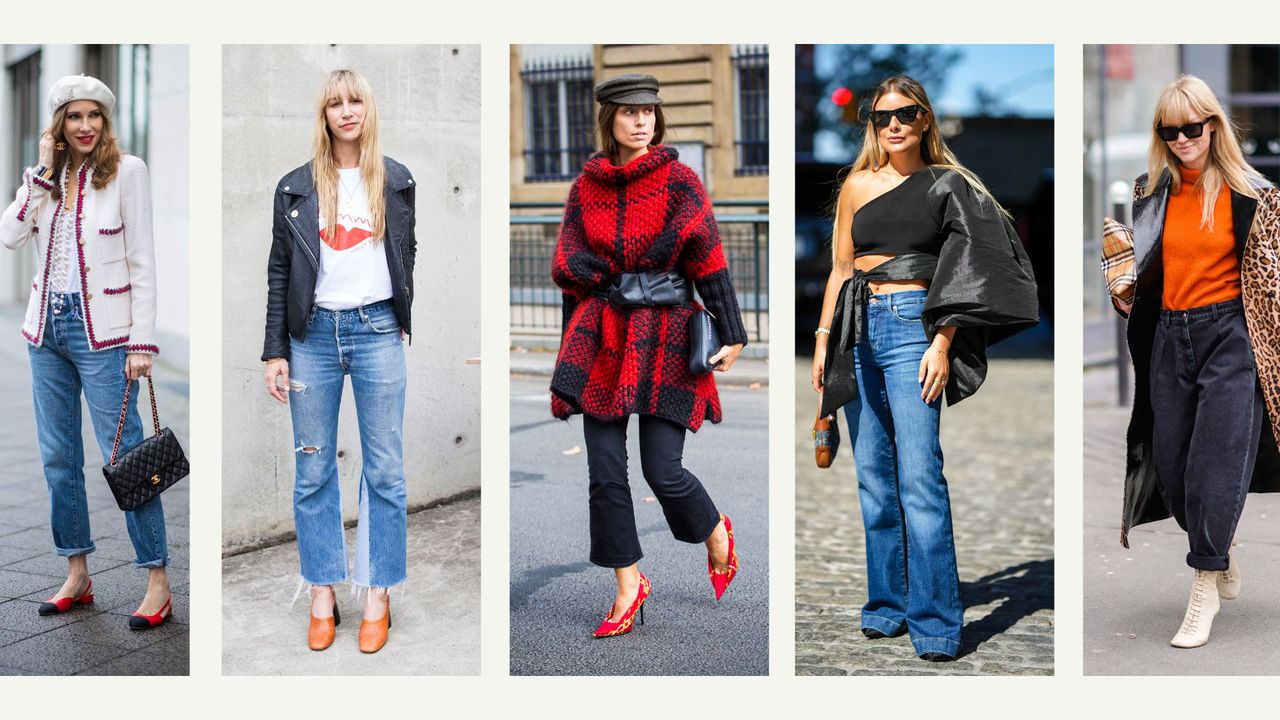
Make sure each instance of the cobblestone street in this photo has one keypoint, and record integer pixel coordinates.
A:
(91, 639)
(998, 447)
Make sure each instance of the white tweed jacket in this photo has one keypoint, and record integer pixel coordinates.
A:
(114, 249)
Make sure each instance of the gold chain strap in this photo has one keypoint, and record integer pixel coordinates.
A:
(124, 409)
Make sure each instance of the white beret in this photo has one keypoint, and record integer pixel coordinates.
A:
(80, 87)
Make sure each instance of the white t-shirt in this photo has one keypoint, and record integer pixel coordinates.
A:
(353, 268)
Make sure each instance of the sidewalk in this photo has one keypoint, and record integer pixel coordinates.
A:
(999, 469)
(1134, 599)
(435, 615)
(94, 639)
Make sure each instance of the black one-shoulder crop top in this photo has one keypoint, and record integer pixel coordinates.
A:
(899, 221)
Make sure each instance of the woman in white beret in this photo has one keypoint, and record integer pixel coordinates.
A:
(90, 323)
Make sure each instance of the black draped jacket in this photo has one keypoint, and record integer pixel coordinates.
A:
(981, 283)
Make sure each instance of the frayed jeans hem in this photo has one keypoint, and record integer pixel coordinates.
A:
(325, 582)
(386, 585)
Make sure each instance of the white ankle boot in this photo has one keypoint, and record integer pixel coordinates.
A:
(1201, 608)
(1229, 580)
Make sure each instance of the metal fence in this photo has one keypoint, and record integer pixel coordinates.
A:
(751, 68)
(535, 299)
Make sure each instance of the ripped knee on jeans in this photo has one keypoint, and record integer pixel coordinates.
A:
(307, 449)
(295, 386)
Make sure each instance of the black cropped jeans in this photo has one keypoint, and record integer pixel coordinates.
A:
(1208, 411)
(690, 513)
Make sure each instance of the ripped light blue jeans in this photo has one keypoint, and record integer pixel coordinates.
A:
(364, 343)
(912, 581)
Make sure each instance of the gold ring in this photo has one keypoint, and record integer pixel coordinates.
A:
(937, 382)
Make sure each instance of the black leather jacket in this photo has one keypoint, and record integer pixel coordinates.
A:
(295, 253)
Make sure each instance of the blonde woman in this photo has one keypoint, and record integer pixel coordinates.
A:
(927, 271)
(1206, 249)
(90, 323)
(340, 279)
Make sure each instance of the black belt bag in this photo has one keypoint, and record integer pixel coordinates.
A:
(645, 289)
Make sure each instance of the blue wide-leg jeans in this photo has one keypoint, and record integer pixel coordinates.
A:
(912, 580)
(62, 368)
(364, 343)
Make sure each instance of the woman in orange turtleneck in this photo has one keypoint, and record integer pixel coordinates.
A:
(1199, 413)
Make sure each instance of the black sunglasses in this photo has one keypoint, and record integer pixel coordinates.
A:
(906, 115)
(1191, 130)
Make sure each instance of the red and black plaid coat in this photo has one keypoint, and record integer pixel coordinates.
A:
(651, 214)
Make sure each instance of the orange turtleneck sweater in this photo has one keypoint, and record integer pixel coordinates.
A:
(1200, 264)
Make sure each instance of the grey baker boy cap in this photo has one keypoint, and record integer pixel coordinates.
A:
(629, 89)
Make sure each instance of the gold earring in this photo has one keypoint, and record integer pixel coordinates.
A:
(60, 145)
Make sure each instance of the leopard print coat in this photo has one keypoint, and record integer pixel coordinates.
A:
(1257, 224)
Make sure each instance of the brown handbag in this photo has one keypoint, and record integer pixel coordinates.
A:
(826, 439)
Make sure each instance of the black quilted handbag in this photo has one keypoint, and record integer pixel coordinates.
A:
(148, 468)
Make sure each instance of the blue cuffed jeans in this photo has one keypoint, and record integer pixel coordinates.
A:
(364, 343)
(912, 580)
(61, 368)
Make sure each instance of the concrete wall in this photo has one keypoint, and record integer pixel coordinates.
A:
(429, 109)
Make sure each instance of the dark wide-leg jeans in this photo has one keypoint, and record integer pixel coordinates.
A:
(1208, 411)
(689, 510)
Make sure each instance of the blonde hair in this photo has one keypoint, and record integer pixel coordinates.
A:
(933, 148)
(105, 158)
(324, 169)
(1180, 99)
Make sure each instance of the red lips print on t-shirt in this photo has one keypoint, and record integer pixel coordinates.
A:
(344, 237)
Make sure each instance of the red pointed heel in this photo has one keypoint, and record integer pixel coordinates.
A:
(138, 621)
(720, 580)
(625, 623)
(55, 606)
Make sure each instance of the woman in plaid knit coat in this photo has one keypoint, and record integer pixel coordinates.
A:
(637, 209)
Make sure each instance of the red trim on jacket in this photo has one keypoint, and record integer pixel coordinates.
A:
(118, 291)
(111, 231)
(26, 180)
(41, 182)
(94, 343)
(44, 281)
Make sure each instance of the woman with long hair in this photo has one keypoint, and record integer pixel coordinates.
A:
(638, 233)
(1204, 341)
(90, 323)
(928, 272)
(340, 284)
